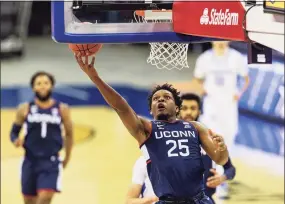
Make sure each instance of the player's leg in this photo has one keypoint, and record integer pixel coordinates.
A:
(28, 183)
(30, 199)
(49, 181)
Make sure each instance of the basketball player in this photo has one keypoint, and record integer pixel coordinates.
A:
(141, 189)
(190, 110)
(170, 147)
(217, 71)
(42, 119)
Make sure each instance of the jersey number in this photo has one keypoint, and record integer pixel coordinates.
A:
(44, 130)
(219, 80)
(183, 148)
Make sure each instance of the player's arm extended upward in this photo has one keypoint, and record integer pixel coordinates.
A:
(135, 125)
(207, 141)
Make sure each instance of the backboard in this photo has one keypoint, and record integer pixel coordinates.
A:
(114, 22)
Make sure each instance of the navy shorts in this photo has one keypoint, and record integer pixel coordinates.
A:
(41, 174)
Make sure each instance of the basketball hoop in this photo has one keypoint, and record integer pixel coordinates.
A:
(164, 55)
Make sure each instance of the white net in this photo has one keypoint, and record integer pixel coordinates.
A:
(164, 55)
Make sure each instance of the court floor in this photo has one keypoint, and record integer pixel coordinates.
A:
(102, 160)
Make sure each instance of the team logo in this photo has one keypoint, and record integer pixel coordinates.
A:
(219, 17)
(186, 125)
(159, 125)
(54, 111)
(34, 109)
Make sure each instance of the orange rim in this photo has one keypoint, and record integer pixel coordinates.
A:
(142, 12)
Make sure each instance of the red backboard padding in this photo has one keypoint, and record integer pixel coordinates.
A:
(223, 19)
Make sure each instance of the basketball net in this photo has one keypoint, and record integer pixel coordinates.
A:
(164, 55)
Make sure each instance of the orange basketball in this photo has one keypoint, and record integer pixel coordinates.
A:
(85, 49)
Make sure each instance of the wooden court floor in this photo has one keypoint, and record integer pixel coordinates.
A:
(101, 165)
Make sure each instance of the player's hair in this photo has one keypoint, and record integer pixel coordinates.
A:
(191, 96)
(168, 87)
(42, 73)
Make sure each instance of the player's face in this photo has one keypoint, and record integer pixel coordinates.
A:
(163, 105)
(220, 45)
(189, 110)
(43, 88)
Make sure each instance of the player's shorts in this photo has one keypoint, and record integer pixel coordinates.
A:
(201, 198)
(41, 174)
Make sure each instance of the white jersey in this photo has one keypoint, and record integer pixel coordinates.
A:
(140, 177)
(220, 73)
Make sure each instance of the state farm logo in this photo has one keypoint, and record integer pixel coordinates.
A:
(219, 17)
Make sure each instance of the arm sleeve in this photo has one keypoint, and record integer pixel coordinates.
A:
(230, 170)
(199, 71)
(139, 172)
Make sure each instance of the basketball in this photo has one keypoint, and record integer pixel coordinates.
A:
(85, 49)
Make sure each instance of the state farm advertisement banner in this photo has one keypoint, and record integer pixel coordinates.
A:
(210, 19)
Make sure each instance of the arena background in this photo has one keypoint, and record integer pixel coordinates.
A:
(101, 165)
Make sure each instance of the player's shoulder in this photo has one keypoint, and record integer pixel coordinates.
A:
(63, 105)
(235, 52)
(23, 106)
(198, 125)
(206, 54)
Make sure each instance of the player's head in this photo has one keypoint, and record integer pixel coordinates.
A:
(191, 106)
(42, 84)
(164, 102)
(220, 45)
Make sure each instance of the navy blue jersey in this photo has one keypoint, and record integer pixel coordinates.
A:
(43, 134)
(174, 162)
(208, 164)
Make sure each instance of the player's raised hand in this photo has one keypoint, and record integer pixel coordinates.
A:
(84, 64)
(215, 180)
(218, 141)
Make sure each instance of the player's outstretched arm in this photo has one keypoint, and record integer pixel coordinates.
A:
(139, 128)
(213, 144)
(17, 125)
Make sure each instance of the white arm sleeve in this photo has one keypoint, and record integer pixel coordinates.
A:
(139, 172)
(199, 71)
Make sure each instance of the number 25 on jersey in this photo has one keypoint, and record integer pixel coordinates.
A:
(178, 148)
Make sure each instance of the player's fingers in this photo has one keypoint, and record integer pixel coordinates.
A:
(221, 144)
(78, 58)
(211, 132)
(213, 171)
(210, 184)
(80, 62)
(211, 178)
(217, 138)
(92, 62)
(86, 60)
